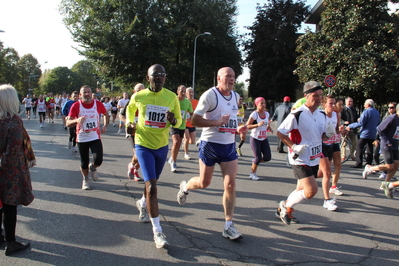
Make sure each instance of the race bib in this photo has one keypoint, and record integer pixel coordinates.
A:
(230, 127)
(155, 116)
(240, 120)
(262, 134)
(90, 123)
(315, 151)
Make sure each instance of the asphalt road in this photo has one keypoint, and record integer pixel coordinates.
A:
(69, 226)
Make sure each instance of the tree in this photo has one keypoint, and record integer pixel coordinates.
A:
(86, 72)
(123, 38)
(9, 66)
(61, 79)
(358, 43)
(29, 72)
(271, 49)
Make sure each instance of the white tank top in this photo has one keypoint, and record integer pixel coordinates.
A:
(90, 129)
(333, 120)
(224, 134)
(260, 133)
(41, 106)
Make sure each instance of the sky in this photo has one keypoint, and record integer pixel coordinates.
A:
(35, 27)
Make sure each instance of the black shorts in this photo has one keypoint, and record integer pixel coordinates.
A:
(176, 131)
(336, 147)
(57, 108)
(303, 171)
(191, 129)
(327, 151)
(390, 156)
(28, 108)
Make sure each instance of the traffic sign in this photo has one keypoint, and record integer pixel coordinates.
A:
(330, 81)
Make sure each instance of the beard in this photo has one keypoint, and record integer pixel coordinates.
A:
(86, 99)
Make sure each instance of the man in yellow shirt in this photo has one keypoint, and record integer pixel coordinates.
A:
(159, 109)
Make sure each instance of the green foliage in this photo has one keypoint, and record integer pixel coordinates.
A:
(358, 44)
(61, 79)
(271, 50)
(123, 38)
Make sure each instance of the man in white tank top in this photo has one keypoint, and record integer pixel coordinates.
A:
(216, 112)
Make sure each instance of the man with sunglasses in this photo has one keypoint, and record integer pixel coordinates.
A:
(159, 109)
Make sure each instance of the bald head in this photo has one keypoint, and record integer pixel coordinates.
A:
(226, 78)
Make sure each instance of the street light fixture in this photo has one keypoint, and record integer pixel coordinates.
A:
(195, 52)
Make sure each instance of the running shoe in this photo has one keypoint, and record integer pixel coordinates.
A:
(119, 132)
(173, 166)
(336, 191)
(143, 212)
(294, 220)
(41, 125)
(181, 195)
(239, 152)
(330, 204)
(69, 144)
(383, 175)
(253, 176)
(285, 213)
(136, 175)
(94, 173)
(231, 233)
(367, 171)
(387, 190)
(74, 149)
(187, 156)
(85, 184)
(160, 240)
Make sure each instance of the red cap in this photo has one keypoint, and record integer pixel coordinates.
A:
(286, 99)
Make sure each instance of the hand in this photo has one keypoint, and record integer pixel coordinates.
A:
(224, 119)
(170, 117)
(299, 149)
(242, 129)
(81, 120)
(330, 131)
(104, 129)
(261, 123)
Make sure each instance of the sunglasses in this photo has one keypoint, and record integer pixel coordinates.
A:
(155, 75)
(391, 107)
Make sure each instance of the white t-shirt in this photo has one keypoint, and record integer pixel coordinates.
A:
(308, 131)
(122, 102)
(28, 102)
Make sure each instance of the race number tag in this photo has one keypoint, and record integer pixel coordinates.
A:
(230, 127)
(240, 120)
(90, 123)
(315, 151)
(183, 114)
(155, 116)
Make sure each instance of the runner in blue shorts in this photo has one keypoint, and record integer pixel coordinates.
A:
(217, 114)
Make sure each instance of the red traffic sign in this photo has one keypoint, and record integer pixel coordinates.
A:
(330, 81)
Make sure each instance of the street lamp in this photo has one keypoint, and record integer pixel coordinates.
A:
(195, 52)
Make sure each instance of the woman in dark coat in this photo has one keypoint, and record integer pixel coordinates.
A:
(16, 157)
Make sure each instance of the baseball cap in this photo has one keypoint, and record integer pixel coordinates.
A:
(286, 99)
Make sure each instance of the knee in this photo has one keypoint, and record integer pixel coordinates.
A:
(204, 183)
(311, 192)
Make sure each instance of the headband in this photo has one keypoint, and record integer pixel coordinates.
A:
(313, 89)
(258, 100)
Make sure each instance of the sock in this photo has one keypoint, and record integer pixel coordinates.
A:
(156, 226)
(241, 143)
(333, 187)
(92, 168)
(86, 178)
(295, 197)
(143, 202)
(390, 185)
(227, 224)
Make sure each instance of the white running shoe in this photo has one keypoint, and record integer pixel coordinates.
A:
(383, 175)
(119, 131)
(253, 176)
(181, 195)
(231, 233)
(367, 171)
(41, 125)
(93, 171)
(143, 212)
(160, 240)
(85, 184)
(187, 156)
(330, 204)
(69, 144)
(74, 149)
(336, 191)
(173, 166)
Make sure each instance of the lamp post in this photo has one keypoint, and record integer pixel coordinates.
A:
(195, 52)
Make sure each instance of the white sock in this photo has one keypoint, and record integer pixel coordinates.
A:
(390, 185)
(227, 224)
(156, 226)
(295, 197)
(143, 201)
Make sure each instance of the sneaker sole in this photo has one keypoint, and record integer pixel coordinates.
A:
(163, 245)
(227, 236)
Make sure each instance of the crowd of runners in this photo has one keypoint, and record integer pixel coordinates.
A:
(152, 115)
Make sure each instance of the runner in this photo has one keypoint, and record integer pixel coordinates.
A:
(217, 114)
(28, 105)
(190, 132)
(72, 130)
(158, 109)
(85, 115)
(41, 109)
